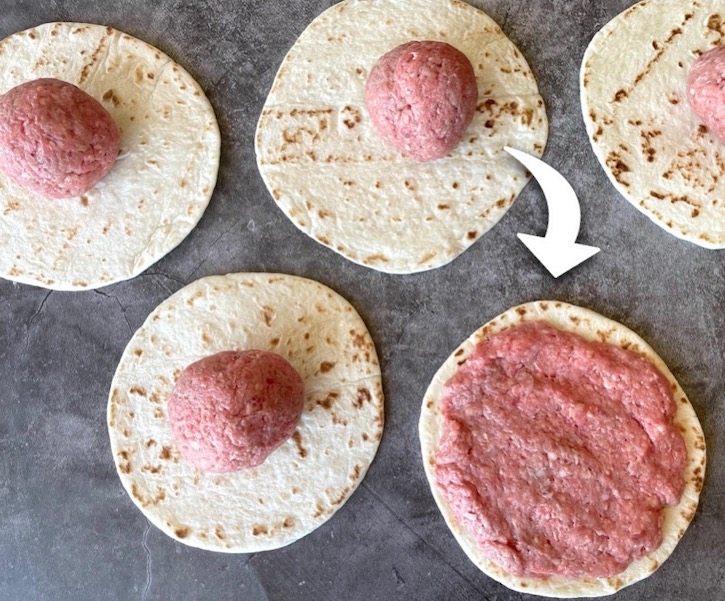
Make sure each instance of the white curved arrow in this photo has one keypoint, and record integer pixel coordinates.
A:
(558, 250)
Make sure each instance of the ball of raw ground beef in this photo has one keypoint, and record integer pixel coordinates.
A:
(55, 139)
(421, 97)
(706, 90)
(230, 410)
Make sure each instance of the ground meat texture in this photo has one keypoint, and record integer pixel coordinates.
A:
(421, 97)
(706, 90)
(230, 410)
(55, 139)
(558, 454)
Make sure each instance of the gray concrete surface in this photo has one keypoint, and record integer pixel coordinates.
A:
(69, 532)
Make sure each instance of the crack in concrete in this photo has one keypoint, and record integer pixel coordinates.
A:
(380, 500)
(31, 320)
(120, 306)
(162, 275)
(212, 245)
(147, 550)
(504, 23)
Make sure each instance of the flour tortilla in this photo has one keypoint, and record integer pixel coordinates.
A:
(304, 481)
(591, 326)
(157, 190)
(340, 183)
(650, 142)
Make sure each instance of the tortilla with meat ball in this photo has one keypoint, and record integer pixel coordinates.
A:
(304, 481)
(339, 182)
(156, 191)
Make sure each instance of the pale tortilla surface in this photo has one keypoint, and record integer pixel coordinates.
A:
(339, 182)
(650, 142)
(304, 481)
(590, 326)
(162, 180)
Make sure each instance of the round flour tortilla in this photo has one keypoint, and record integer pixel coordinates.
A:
(650, 142)
(157, 190)
(340, 183)
(305, 480)
(591, 326)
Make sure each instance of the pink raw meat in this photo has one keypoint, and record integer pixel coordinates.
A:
(421, 97)
(706, 90)
(230, 410)
(55, 139)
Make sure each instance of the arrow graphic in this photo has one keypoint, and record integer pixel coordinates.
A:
(558, 250)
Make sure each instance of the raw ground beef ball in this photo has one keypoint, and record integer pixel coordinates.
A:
(230, 410)
(706, 90)
(421, 97)
(55, 139)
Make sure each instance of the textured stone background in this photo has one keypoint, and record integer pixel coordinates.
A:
(68, 531)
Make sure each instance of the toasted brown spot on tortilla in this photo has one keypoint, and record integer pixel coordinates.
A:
(267, 314)
(326, 366)
(471, 235)
(198, 294)
(259, 530)
(328, 401)
(358, 340)
(11, 205)
(110, 95)
(140, 390)
(289, 521)
(94, 57)
(354, 117)
(617, 166)
(165, 453)
(377, 258)
(135, 492)
(615, 582)
(341, 497)
(688, 514)
(297, 439)
(363, 395)
(125, 464)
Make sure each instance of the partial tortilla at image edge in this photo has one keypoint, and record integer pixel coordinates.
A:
(591, 326)
(157, 190)
(304, 481)
(327, 169)
(645, 135)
